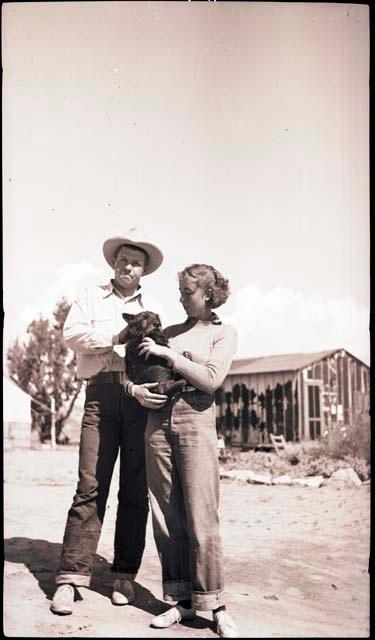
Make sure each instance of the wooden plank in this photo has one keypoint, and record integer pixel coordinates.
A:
(350, 390)
(300, 406)
(278, 442)
(339, 381)
(294, 386)
(306, 429)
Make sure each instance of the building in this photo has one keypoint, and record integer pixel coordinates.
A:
(300, 395)
(16, 416)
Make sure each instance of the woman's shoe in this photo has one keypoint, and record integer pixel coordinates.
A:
(123, 592)
(225, 625)
(175, 614)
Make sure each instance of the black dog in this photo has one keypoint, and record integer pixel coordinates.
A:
(154, 369)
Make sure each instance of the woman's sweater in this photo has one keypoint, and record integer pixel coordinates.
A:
(210, 345)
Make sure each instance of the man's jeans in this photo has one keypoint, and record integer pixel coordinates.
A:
(111, 420)
(183, 478)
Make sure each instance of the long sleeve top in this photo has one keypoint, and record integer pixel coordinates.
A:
(211, 346)
(92, 326)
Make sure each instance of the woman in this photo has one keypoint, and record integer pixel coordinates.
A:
(181, 455)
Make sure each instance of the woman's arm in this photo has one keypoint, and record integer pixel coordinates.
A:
(207, 377)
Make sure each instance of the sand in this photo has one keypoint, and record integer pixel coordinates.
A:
(296, 559)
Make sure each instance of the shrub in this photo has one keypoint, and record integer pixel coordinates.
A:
(346, 447)
(351, 440)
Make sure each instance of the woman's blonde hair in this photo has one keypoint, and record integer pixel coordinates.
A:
(213, 283)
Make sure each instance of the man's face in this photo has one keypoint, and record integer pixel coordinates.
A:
(129, 266)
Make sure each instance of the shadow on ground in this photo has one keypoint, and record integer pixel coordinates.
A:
(199, 623)
(42, 557)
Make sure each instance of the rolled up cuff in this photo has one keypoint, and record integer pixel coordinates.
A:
(176, 590)
(207, 600)
(77, 579)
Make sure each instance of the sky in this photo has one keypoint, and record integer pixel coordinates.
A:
(234, 134)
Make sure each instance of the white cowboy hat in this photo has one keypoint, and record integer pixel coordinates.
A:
(138, 238)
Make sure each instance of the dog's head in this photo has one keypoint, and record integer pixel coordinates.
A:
(142, 325)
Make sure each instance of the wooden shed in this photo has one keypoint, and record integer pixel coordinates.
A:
(300, 395)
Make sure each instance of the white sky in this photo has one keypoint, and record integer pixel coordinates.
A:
(233, 133)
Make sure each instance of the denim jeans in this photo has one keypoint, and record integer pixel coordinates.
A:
(183, 478)
(111, 421)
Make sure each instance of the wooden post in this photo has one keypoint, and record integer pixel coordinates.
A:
(329, 401)
(294, 429)
(284, 408)
(53, 423)
(350, 369)
(306, 422)
(300, 406)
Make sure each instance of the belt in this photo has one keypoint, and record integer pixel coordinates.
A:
(106, 377)
(186, 388)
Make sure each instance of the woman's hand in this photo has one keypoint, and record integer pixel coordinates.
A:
(146, 398)
(149, 347)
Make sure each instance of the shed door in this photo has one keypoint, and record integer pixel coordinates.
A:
(314, 411)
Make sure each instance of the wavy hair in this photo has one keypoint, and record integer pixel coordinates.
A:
(213, 283)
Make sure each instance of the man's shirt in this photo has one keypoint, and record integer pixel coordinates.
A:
(93, 323)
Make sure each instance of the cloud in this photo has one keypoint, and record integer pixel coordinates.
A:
(65, 283)
(268, 322)
(285, 321)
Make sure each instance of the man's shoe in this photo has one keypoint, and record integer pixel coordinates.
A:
(123, 592)
(175, 614)
(63, 599)
(225, 625)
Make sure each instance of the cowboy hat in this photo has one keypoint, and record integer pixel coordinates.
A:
(138, 238)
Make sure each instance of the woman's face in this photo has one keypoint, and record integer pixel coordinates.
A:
(193, 299)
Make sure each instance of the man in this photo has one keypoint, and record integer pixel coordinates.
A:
(113, 419)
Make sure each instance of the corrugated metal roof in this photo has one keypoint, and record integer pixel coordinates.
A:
(286, 362)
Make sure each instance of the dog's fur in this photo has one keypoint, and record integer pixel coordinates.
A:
(154, 369)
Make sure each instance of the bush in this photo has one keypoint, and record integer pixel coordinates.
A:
(346, 447)
(351, 440)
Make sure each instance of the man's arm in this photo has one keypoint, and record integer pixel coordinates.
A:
(78, 332)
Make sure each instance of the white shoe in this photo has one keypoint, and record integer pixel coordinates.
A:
(123, 592)
(225, 625)
(175, 614)
(63, 599)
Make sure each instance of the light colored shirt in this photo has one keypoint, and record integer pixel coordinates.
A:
(93, 323)
(211, 346)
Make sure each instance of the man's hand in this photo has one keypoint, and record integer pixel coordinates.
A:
(148, 399)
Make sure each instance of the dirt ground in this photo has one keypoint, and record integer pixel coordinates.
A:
(296, 559)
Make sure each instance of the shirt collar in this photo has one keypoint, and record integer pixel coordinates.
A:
(111, 289)
(214, 319)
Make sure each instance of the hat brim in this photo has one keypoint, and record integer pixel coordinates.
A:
(155, 256)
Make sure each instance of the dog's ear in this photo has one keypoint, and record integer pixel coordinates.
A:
(128, 316)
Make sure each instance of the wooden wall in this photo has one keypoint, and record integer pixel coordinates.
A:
(344, 389)
(301, 405)
(249, 408)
